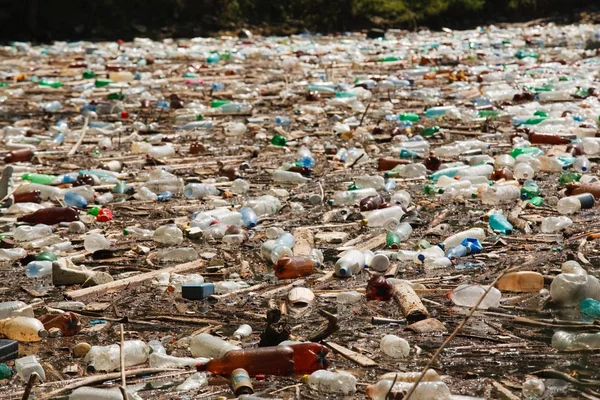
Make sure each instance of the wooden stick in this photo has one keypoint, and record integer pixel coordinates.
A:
(83, 132)
(358, 358)
(123, 378)
(32, 379)
(410, 303)
(134, 280)
(218, 297)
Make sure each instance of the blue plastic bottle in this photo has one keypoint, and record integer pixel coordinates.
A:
(73, 199)
(249, 218)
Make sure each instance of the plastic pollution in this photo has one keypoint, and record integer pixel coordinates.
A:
(386, 217)
(521, 281)
(92, 393)
(28, 233)
(138, 232)
(458, 238)
(351, 196)
(273, 250)
(468, 295)
(243, 331)
(294, 267)
(51, 216)
(562, 340)
(95, 241)
(429, 376)
(15, 309)
(573, 204)
(378, 288)
(249, 217)
(568, 289)
(169, 235)
(26, 366)
(499, 194)
(395, 346)
(264, 205)
(423, 391)
(23, 329)
(332, 382)
(499, 223)
(555, 224)
(205, 345)
(590, 307)
(278, 361)
(350, 264)
(12, 254)
(38, 269)
(194, 382)
(533, 388)
(199, 190)
(68, 323)
(108, 358)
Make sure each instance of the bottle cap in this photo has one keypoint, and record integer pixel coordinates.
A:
(586, 200)
(380, 263)
(43, 333)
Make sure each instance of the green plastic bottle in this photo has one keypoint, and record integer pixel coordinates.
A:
(432, 189)
(529, 190)
(533, 121)
(218, 103)
(51, 83)
(5, 371)
(42, 179)
(94, 211)
(102, 82)
(590, 307)
(392, 240)
(412, 117)
(46, 256)
(499, 223)
(569, 177)
(116, 96)
(430, 131)
(540, 113)
(88, 75)
(449, 172)
(278, 140)
(531, 151)
(536, 201)
(405, 153)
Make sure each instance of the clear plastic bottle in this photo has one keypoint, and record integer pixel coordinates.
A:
(424, 391)
(199, 190)
(523, 171)
(169, 235)
(12, 254)
(179, 255)
(240, 186)
(264, 205)
(243, 331)
(29, 233)
(15, 309)
(38, 269)
(351, 196)
(394, 346)
(500, 194)
(95, 241)
(555, 224)
(562, 340)
(467, 296)
(138, 232)
(567, 290)
(249, 217)
(26, 366)
(194, 382)
(431, 252)
(234, 129)
(206, 345)
(289, 177)
(384, 217)
(331, 382)
(145, 194)
(223, 287)
(23, 329)
(350, 263)
(401, 197)
(108, 358)
(273, 250)
(407, 171)
(164, 151)
(92, 393)
(485, 170)
(369, 181)
(582, 164)
(573, 204)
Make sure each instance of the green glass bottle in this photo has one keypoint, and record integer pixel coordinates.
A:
(388, 59)
(569, 177)
(392, 240)
(46, 256)
(88, 75)
(278, 140)
(51, 83)
(42, 179)
(430, 131)
(412, 117)
(102, 82)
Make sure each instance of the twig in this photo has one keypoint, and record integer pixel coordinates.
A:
(331, 328)
(123, 378)
(456, 331)
(83, 132)
(32, 379)
(364, 114)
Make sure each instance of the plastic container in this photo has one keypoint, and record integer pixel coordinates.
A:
(468, 295)
(26, 366)
(15, 309)
(573, 204)
(394, 346)
(555, 224)
(243, 331)
(205, 345)
(424, 391)
(23, 329)
(350, 264)
(95, 241)
(169, 235)
(199, 190)
(330, 382)
(567, 290)
(108, 358)
(562, 340)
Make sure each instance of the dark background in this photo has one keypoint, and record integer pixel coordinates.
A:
(47, 20)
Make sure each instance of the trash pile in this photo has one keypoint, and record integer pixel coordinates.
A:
(410, 216)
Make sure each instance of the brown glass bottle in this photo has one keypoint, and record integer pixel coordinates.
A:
(574, 188)
(547, 138)
(304, 171)
(18, 155)
(576, 149)
(68, 323)
(309, 357)
(378, 288)
(51, 216)
(294, 267)
(231, 173)
(503, 173)
(387, 163)
(274, 360)
(372, 203)
(27, 197)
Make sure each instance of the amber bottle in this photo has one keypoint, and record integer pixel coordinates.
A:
(68, 323)
(547, 138)
(574, 188)
(387, 163)
(18, 155)
(275, 360)
(503, 173)
(372, 203)
(432, 163)
(51, 216)
(27, 197)
(378, 288)
(294, 267)
(309, 357)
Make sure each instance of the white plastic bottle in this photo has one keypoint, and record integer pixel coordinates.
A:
(394, 346)
(92, 393)
(351, 196)
(235, 129)
(424, 391)
(523, 171)
(29, 233)
(289, 177)
(370, 181)
(468, 295)
(108, 358)
(331, 382)
(350, 263)
(199, 190)
(206, 345)
(457, 238)
(555, 224)
(15, 309)
(499, 194)
(168, 234)
(243, 331)
(26, 366)
(384, 216)
(95, 241)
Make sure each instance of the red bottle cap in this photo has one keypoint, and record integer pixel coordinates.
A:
(104, 215)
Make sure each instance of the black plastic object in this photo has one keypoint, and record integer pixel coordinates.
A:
(9, 350)
(197, 291)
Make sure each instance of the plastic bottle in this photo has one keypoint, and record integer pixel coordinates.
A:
(429, 376)
(38, 269)
(398, 235)
(161, 151)
(401, 197)
(277, 361)
(289, 177)
(249, 218)
(68, 323)
(223, 287)
(22, 155)
(394, 346)
(567, 290)
(533, 388)
(26, 366)
(423, 391)
(138, 232)
(523, 171)
(206, 345)
(273, 250)
(555, 224)
(499, 194)
(199, 190)
(350, 264)
(407, 171)
(23, 329)
(95, 241)
(378, 288)
(92, 393)
(51, 216)
(169, 235)
(369, 181)
(15, 309)
(386, 217)
(29, 233)
(104, 199)
(331, 382)
(468, 295)
(243, 331)
(499, 223)
(240, 186)
(562, 340)
(294, 267)
(351, 196)
(573, 204)
(42, 179)
(264, 205)
(108, 358)
(73, 199)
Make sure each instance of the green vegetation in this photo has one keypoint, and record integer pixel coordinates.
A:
(112, 19)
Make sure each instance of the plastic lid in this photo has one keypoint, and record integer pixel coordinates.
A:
(43, 333)
(380, 263)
